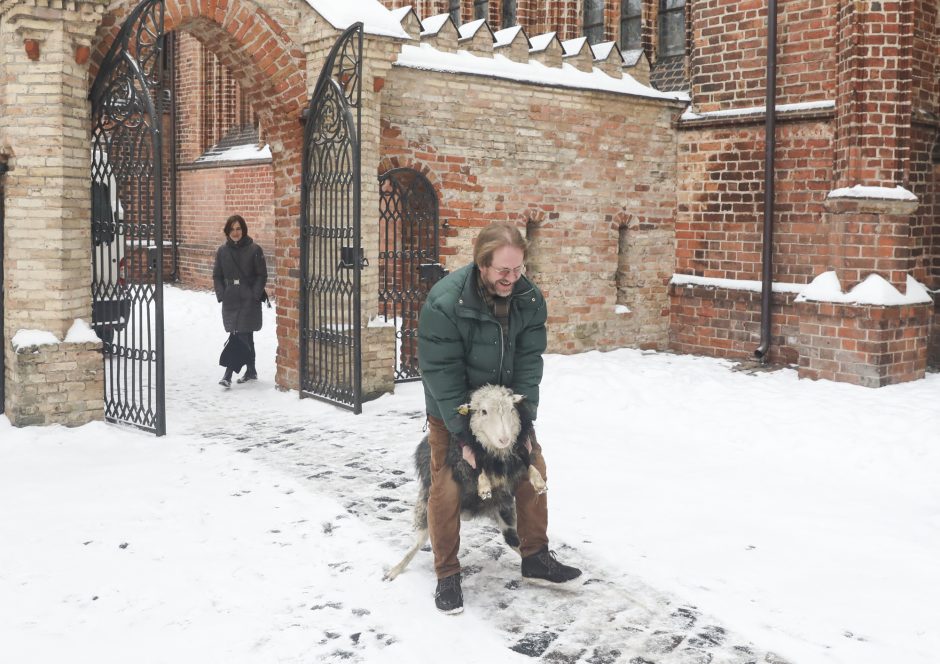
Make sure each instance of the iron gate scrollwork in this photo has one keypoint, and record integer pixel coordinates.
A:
(331, 256)
(409, 256)
(127, 221)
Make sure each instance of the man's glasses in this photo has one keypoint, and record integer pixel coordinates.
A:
(504, 272)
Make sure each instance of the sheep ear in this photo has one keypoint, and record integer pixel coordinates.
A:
(516, 398)
(464, 409)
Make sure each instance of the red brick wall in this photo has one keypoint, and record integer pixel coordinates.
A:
(719, 223)
(729, 43)
(859, 55)
(869, 346)
(874, 111)
(925, 56)
(726, 323)
(210, 103)
(207, 196)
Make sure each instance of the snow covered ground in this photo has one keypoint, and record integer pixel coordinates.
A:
(720, 516)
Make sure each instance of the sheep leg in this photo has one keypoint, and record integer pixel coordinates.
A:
(484, 487)
(535, 478)
(506, 518)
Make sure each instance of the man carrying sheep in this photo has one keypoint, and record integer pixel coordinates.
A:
(483, 323)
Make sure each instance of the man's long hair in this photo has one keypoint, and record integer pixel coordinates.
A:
(495, 236)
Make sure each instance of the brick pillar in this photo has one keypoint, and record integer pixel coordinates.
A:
(44, 128)
(873, 93)
(378, 339)
(864, 344)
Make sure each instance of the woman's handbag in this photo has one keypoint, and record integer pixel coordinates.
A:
(235, 353)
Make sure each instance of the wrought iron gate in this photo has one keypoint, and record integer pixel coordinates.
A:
(127, 221)
(409, 244)
(3, 342)
(331, 257)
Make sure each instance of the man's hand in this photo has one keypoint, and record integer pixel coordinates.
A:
(469, 456)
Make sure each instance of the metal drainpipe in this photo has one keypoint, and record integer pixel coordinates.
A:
(770, 146)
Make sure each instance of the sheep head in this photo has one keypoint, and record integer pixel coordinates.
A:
(494, 419)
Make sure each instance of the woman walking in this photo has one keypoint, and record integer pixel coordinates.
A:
(240, 275)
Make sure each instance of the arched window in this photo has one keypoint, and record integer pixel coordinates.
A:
(453, 7)
(594, 21)
(480, 9)
(509, 14)
(671, 27)
(631, 24)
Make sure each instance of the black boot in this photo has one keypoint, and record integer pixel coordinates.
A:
(226, 381)
(543, 566)
(448, 597)
(250, 374)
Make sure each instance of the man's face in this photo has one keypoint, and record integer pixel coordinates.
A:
(504, 271)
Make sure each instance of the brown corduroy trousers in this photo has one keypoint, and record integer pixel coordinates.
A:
(444, 505)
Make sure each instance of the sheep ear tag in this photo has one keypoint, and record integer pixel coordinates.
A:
(464, 409)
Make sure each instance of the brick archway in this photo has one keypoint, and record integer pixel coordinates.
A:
(270, 68)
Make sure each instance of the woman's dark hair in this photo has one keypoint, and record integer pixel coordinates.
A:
(231, 221)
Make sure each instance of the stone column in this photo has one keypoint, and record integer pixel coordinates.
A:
(44, 135)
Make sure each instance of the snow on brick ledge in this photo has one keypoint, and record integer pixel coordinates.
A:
(79, 333)
(733, 284)
(875, 290)
(24, 339)
(884, 193)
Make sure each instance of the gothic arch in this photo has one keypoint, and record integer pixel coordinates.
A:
(388, 163)
(270, 68)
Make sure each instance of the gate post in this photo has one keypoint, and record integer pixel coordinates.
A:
(54, 370)
(376, 338)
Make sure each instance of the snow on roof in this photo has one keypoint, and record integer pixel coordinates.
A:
(238, 153)
(573, 46)
(376, 19)
(757, 110)
(401, 12)
(433, 24)
(602, 51)
(860, 191)
(428, 58)
(541, 42)
(734, 284)
(468, 30)
(505, 36)
(630, 58)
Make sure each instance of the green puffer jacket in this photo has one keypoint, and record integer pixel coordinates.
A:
(461, 346)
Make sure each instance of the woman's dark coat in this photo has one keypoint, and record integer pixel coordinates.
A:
(241, 302)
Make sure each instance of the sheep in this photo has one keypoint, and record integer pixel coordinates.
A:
(501, 432)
